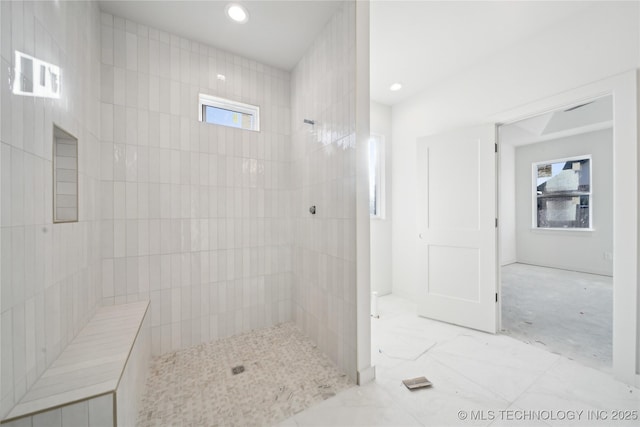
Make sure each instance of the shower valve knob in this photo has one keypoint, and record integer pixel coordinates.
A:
(312, 210)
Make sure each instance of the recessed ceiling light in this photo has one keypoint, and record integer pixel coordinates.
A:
(396, 86)
(237, 13)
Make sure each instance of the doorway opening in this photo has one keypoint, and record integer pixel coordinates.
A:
(556, 231)
(625, 342)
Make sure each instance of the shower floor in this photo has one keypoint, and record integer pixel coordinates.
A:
(284, 373)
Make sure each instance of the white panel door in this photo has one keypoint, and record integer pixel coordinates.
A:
(457, 234)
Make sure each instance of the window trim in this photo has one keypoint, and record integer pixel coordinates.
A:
(534, 195)
(228, 104)
(381, 178)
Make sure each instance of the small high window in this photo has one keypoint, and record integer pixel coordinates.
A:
(220, 111)
(34, 77)
(563, 193)
(376, 176)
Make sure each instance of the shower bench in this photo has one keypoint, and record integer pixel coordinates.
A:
(98, 378)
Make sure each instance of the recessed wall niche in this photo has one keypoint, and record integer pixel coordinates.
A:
(65, 176)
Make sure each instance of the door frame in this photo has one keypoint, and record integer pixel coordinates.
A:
(624, 90)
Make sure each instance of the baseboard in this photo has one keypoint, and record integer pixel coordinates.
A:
(366, 375)
(565, 268)
(383, 293)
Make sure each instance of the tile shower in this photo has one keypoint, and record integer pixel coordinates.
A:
(210, 224)
(195, 216)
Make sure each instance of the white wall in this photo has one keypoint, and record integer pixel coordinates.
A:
(600, 42)
(50, 273)
(323, 89)
(570, 250)
(381, 227)
(507, 203)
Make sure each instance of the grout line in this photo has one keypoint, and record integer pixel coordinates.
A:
(546, 371)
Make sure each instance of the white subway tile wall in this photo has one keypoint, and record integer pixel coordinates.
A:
(50, 273)
(195, 216)
(324, 165)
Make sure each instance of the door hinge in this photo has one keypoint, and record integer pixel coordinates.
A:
(496, 297)
(496, 144)
(496, 222)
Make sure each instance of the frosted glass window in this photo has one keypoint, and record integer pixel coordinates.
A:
(34, 77)
(225, 112)
(563, 193)
(376, 176)
(65, 176)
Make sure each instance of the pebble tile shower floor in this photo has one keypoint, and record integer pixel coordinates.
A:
(284, 373)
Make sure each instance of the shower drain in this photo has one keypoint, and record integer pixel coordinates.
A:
(237, 369)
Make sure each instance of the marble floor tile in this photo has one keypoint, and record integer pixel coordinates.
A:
(440, 404)
(501, 364)
(369, 405)
(569, 386)
(478, 379)
(515, 415)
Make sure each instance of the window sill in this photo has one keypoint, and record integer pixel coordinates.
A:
(562, 230)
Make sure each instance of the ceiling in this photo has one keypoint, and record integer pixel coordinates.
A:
(416, 43)
(574, 120)
(419, 43)
(277, 33)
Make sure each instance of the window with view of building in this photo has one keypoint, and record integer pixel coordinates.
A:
(562, 191)
(224, 112)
